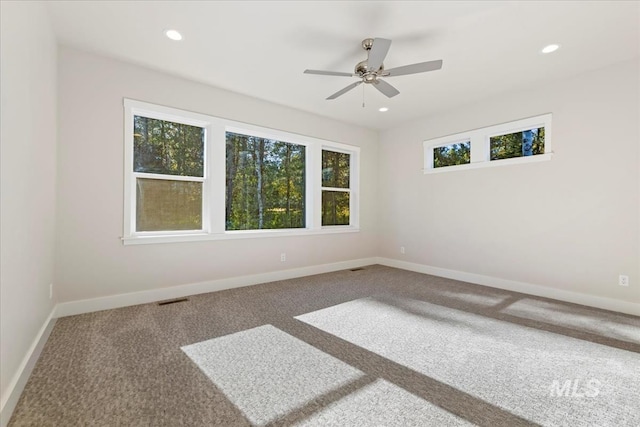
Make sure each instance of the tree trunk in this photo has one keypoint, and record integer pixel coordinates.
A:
(527, 141)
(165, 151)
(287, 161)
(336, 177)
(259, 149)
(232, 167)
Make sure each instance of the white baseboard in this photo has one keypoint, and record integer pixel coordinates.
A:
(512, 285)
(123, 300)
(19, 380)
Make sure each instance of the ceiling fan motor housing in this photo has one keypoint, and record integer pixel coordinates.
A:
(362, 68)
(366, 75)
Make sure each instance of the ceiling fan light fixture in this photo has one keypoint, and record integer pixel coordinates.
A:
(173, 35)
(550, 48)
(383, 109)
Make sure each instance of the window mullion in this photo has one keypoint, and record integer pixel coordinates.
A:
(344, 190)
(129, 181)
(168, 177)
(218, 176)
(314, 175)
(479, 147)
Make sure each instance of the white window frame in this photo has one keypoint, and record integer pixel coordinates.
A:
(353, 182)
(480, 145)
(214, 180)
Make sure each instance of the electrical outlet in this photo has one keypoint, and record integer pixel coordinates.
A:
(283, 257)
(50, 290)
(401, 249)
(623, 280)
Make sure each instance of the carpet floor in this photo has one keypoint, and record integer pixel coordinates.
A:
(372, 347)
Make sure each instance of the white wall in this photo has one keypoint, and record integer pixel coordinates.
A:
(571, 223)
(28, 171)
(90, 258)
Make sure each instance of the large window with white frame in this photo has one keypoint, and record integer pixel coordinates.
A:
(520, 141)
(190, 176)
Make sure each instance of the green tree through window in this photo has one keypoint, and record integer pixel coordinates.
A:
(265, 183)
(510, 145)
(163, 151)
(336, 172)
(451, 155)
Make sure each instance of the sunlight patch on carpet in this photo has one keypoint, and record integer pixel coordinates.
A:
(610, 325)
(267, 373)
(383, 404)
(471, 298)
(538, 375)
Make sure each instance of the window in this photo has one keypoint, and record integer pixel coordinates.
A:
(265, 186)
(528, 142)
(168, 166)
(521, 141)
(190, 176)
(336, 184)
(452, 154)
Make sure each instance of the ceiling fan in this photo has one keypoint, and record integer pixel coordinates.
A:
(371, 70)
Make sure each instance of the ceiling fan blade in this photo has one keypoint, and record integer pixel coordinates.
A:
(345, 90)
(386, 88)
(377, 53)
(420, 67)
(328, 73)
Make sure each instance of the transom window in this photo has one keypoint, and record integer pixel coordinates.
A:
(195, 177)
(452, 154)
(529, 142)
(521, 141)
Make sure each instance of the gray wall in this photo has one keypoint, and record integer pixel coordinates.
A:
(90, 258)
(28, 174)
(571, 223)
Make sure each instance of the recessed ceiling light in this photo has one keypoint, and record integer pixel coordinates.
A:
(383, 109)
(550, 48)
(173, 35)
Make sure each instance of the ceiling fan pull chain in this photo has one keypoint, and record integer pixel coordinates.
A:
(362, 96)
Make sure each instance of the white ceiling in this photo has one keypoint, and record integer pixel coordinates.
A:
(261, 48)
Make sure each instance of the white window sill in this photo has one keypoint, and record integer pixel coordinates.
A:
(489, 164)
(145, 239)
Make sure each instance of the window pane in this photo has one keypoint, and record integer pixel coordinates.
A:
(518, 144)
(168, 148)
(335, 169)
(265, 183)
(335, 208)
(168, 205)
(451, 155)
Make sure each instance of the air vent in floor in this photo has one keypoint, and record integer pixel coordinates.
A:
(173, 301)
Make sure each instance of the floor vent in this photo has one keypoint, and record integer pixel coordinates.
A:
(357, 269)
(173, 301)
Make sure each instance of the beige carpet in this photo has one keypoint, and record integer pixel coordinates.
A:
(519, 369)
(379, 346)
